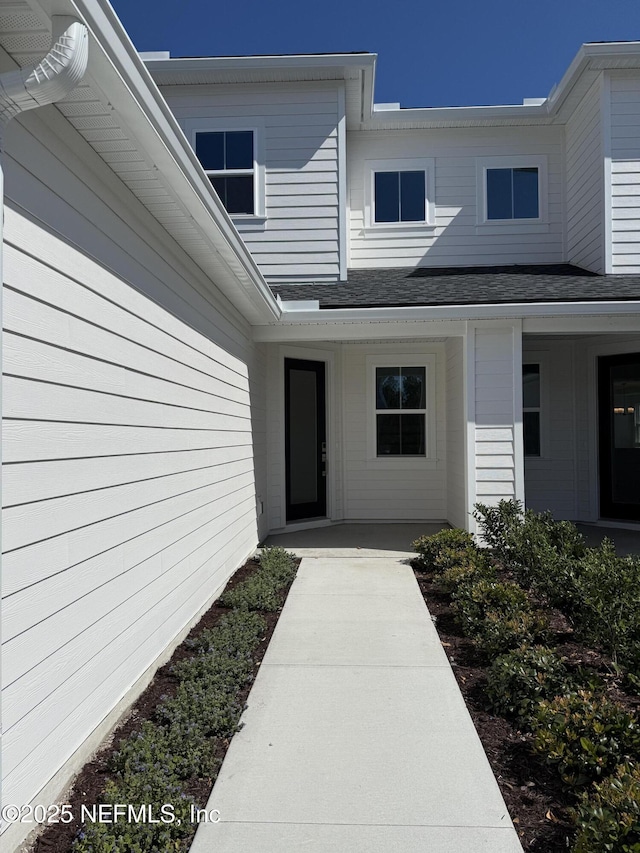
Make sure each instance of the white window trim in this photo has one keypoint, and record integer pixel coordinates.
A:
(404, 359)
(520, 162)
(424, 164)
(207, 125)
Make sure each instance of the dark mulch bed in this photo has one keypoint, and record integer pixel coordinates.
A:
(57, 838)
(535, 797)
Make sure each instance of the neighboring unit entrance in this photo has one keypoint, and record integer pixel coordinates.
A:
(305, 438)
(619, 409)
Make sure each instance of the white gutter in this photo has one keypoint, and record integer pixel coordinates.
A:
(45, 83)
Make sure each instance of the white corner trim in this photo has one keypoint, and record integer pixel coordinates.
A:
(51, 79)
(605, 110)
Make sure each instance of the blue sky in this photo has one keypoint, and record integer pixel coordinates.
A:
(454, 52)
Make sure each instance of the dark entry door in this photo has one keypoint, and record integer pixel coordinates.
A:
(619, 403)
(305, 438)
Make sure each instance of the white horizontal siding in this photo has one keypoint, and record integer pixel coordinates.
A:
(495, 435)
(133, 443)
(389, 494)
(456, 239)
(585, 183)
(299, 239)
(456, 433)
(625, 172)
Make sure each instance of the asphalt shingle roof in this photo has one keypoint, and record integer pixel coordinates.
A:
(466, 286)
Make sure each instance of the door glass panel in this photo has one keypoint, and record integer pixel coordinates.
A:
(303, 432)
(625, 437)
(531, 386)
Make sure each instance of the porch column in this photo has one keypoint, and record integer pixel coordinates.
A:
(494, 441)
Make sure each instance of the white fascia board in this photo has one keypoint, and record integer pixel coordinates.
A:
(348, 323)
(299, 62)
(123, 77)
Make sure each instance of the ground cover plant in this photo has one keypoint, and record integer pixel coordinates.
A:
(168, 752)
(542, 632)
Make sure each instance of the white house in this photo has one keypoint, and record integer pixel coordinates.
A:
(399, 313)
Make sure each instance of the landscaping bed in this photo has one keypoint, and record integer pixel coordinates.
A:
(544, 638)
(170, 746)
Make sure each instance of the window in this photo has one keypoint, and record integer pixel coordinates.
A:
(531, 409)
(513, 193)
(399, 196)
(228, 158)
(401, 409)
(397, 193)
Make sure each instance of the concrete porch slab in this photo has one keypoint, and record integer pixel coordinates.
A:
(350, 539)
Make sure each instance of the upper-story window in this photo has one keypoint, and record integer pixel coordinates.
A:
(399, 196)
(399, 193)
(513, 193)
(228, 158)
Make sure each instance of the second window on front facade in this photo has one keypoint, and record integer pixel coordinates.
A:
(513, 193)
(399, 196)
(400, 411)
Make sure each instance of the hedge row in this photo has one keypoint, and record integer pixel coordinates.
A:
(154, 766)
(593, 742)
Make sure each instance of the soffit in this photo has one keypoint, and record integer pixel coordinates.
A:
(161, 172)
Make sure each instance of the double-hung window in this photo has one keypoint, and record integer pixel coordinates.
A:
(401, 410)
(399, 193)
(228, 158)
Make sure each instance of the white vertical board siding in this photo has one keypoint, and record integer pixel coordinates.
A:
(299, 240)
(625, 172)
(455, 395)
(457, 239)
(585, 183)
(550, 480)
(391, 493)
(129, 476)
(498, 434)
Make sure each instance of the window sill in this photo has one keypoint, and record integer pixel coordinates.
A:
(401, 463)
(513, 226)
(382, 228)
(252, 222)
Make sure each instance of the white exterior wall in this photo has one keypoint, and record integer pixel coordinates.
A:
(551, 479)
(457, 238)
(299, 239)
(625, 172)
(494, 399)
(585, 183)
(130, 484)
(455, 396)
(390, 490)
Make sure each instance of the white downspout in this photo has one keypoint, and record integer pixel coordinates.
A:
(45, 83)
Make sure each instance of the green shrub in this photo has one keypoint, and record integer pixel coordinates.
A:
(609, 616)
(279, 564)
(518, 680)
(608, 815)
(263, 589)
(541, 552)
(468, 565)
(429, 548)
(237, 631)
(497, 615)
(584, 735)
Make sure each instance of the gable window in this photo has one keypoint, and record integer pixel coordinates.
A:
(399, 196)
(401, 409)
(531, 409)
(513, 193)
(228, 158)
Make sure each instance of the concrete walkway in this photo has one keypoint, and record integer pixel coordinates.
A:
(356, 738)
